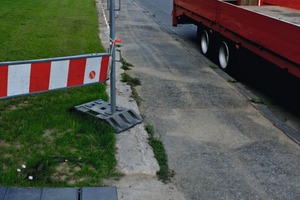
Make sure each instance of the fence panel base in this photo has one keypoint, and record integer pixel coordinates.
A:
(120, 120)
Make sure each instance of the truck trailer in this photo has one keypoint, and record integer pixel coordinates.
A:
(268, 28)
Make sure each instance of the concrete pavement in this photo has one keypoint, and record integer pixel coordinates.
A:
(134, 155)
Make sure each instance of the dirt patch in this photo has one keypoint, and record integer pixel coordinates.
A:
(65, 170)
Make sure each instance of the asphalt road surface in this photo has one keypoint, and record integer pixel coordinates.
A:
(218, 144)
(277, 89)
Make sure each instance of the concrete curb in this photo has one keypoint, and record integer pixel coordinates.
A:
(134, 154)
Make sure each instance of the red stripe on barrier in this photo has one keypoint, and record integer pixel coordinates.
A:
(104, 68)
(3, 81)
(39, 77)
(76, 72)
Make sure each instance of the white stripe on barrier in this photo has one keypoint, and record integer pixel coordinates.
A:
(18, 79)
(59, 74)
(92, 72)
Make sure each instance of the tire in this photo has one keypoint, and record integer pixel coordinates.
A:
(224, 55)
(227, 56)
(204, 42)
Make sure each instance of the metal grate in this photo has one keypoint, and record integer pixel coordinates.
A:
(120, 120)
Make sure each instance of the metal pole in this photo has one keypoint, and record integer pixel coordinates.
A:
(113, 54)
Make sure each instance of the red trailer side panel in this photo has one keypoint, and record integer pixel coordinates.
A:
(269, 31)
(204, 8)
(284, 3)
(273, 34)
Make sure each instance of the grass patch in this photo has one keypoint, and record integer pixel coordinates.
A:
(32, 29)
(130, 80)
(58, 147)
(125, 65)
(231, 81)
(136, 96)
(41, 132)
(260, 101)
(213, 66)
(164, 174)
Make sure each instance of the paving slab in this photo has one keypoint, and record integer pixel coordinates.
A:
(99, 193)
(2, 192)
(86, 193)
(59, 194)
(22, 194)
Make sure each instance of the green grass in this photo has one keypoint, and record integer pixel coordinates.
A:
(60, 147)
(125, 65)
(32, 29)
(231, 81)
(130, 80)
(164, 174)
(260, 101)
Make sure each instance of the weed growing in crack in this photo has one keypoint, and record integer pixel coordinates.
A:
(130, 80)
(260, 101)
(125, 65)
(164, 174)
(231, 81)
(136, 96)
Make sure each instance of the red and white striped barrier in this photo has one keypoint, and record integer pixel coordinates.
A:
(20, 78)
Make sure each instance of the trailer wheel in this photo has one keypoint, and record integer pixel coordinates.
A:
(204, 42)
(224, 56)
